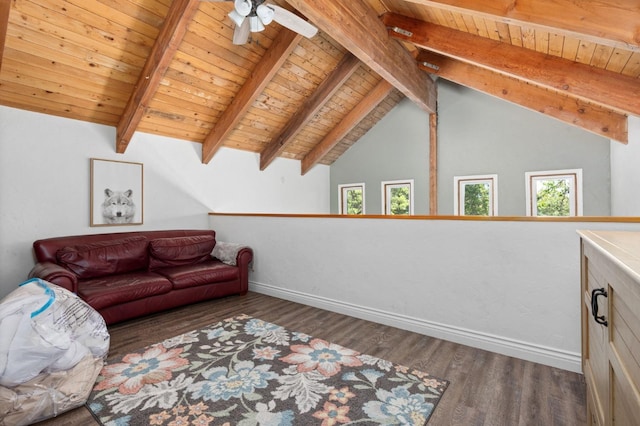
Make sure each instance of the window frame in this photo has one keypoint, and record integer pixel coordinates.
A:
(575, 192)
(459, 182)
(342, 193)
(386, 187)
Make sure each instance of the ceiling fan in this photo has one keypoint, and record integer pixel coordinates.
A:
(251, 16)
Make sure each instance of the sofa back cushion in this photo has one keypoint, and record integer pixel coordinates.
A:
(105, 257)
(178, 251)
(45, 250)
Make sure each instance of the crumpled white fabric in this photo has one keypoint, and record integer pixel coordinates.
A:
(45, 328)
(49, 394)
(226, 252)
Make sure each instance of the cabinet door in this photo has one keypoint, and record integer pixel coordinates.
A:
(592, 415)
(625, 401)
(595, 349)
(624, 354)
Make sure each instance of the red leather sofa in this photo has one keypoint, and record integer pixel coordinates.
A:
(130, 274)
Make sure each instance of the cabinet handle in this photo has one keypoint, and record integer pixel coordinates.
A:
(594, 305)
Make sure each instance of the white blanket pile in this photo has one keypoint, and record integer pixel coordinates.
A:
(52, 347)
(226, 252)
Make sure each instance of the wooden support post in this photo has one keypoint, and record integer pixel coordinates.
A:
(433, 164)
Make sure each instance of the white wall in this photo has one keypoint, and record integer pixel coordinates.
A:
(45, 186)
(625, 173)
(479, 134)
(509, 287)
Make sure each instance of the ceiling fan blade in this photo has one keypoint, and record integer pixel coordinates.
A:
(241, 32)
(293, 21)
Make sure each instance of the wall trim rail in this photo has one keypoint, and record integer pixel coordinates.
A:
(578, 219)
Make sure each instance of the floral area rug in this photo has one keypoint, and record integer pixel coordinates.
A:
(245, 371)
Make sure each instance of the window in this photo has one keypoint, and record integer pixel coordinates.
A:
(351, 198)
(475, 195)
(397, 197)
(554, 193)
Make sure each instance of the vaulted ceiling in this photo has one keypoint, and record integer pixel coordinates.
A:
(170, 68)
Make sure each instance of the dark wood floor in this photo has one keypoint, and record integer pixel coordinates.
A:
(486, 388)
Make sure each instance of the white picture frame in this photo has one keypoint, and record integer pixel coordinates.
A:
(116, 193)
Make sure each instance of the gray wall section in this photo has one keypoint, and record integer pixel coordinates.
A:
(477, 135)
(397, 148)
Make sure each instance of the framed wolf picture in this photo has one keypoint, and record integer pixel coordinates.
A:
(116, 193)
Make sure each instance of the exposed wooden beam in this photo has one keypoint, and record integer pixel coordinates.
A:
(173, 30)
(356, 26)
(265, 70)
(356, 115)
(611, 23)
(5, 8)
(600, 86)
(594, 118)
(433, 164)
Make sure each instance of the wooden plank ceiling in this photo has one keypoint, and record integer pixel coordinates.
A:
(169, 67)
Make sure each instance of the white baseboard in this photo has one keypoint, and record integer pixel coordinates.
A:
(541, 354)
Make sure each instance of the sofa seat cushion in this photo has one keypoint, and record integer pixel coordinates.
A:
(115, 289)
(105, 257)
(178, 251)
(200, 274)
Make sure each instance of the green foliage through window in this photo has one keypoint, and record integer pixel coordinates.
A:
(354, 201)
(476, 199)
(553, 197)
(400, 200)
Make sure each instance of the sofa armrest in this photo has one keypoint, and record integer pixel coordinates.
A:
(243, 259)
(236, 255)
(55, 274)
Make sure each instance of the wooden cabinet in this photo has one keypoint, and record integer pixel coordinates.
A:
(610, 296)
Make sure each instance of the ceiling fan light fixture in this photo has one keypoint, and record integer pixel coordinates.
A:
(242, 7)
(265, 13)
(236, 17)
(255, 24)
(251, 16)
